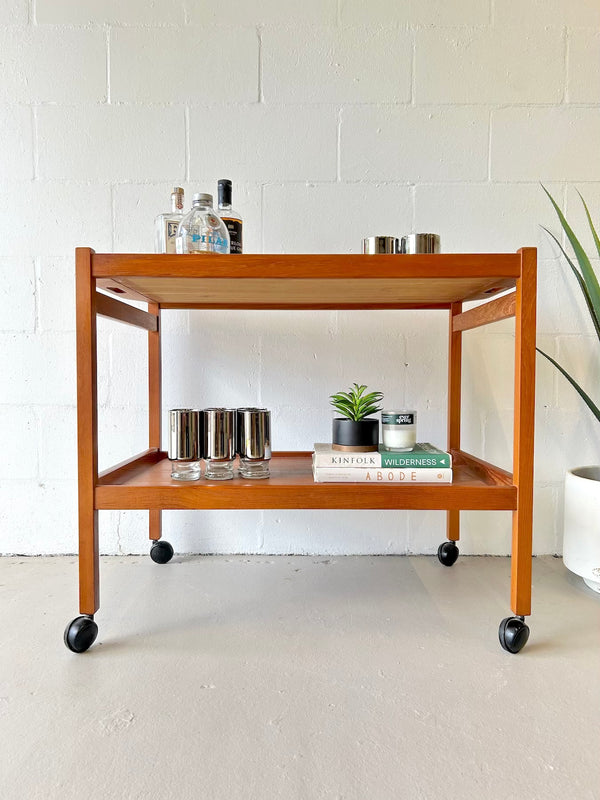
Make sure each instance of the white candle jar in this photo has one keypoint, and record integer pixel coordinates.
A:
(399, 429)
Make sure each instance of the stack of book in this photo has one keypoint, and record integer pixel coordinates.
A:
(423, 464)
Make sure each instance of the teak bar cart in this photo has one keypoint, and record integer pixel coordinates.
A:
(309, 282)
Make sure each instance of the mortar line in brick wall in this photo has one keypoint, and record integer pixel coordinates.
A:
(338, 147)
(186, 126)
(489, 158)
(108, 93)
(35, 148)
(261, 98)
(567, 56)
(112, 218)
(262, 218)
(413, 63)
(36, 300)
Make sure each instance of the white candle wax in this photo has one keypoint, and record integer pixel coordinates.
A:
(399, 429)
(398, 436)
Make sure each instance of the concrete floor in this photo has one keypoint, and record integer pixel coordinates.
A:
(297, 677)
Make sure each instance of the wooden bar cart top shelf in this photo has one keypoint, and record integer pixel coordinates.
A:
(504, 282)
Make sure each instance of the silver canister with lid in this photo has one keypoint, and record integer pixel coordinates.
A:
(416, 243)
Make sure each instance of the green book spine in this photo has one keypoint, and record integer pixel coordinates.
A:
(419, 459)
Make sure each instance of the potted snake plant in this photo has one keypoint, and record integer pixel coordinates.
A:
(354, 429)
(581, 529)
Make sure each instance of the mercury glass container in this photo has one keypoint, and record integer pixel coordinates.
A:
(399, 429)
(185, 444)
(219, 443)
(254, 442)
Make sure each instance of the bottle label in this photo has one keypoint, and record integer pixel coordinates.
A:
(207, 242)
(397, 419)
(234, 226)
(171, 226)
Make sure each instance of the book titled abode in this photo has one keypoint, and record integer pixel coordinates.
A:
(423, 456)
(381, 475)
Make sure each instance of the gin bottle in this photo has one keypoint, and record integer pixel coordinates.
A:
(230, 217)
(165, 225)
(201, 230)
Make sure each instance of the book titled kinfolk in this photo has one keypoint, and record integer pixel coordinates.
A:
(422, 456)
(381, 475)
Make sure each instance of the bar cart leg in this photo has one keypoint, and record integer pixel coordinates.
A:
(448, 551)
(161, 551)
(513, 631)
(81, 632)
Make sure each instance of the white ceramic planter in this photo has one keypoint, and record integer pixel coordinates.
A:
(581, 540)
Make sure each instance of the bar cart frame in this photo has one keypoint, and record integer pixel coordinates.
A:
(507, 284)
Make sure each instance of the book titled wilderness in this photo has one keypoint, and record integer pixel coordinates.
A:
(423, 456)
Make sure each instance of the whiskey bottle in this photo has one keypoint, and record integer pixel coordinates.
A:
(201, 230)
(231, 218)
(165, 225)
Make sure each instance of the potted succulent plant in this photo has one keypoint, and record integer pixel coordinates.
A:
(354, 429)
(581, 530)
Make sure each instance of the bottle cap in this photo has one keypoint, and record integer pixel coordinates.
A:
(201, 197)
(177, 196)
(224, 192)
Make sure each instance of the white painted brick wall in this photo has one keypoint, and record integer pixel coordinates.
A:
(335, 119)
(411, 144)
(583, 78)
(263, 142)
(336, 65)
(159, 73)
(557, 143)
(52, 65)
(484, 65)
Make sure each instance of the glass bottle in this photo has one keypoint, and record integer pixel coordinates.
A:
(230, 217)
(165, 225)
(201, 230)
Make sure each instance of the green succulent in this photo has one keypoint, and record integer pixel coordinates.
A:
(355, 404)
(588, 283)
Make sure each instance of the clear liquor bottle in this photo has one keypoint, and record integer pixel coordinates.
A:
(166, 225)
(230, 217)
(201, 230)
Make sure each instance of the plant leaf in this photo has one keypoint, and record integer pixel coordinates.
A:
(585, 397)
(591, 224)
(581, 282)
(588, 274)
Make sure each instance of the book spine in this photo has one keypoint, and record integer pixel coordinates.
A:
(381, 475)
(378, 460)
(351, 461)
(407, 461)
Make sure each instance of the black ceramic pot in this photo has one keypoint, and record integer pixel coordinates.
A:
(362, 436)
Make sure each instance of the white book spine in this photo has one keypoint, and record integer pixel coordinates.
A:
(347, 460)
(381, 475)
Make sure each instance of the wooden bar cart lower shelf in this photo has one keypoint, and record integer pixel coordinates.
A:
(441, 282)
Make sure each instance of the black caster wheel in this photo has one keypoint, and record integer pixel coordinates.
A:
(80, 634)
(447, 553)
(161, 552)
(513, 634)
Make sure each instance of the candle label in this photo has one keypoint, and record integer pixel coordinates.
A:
(397, 419)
